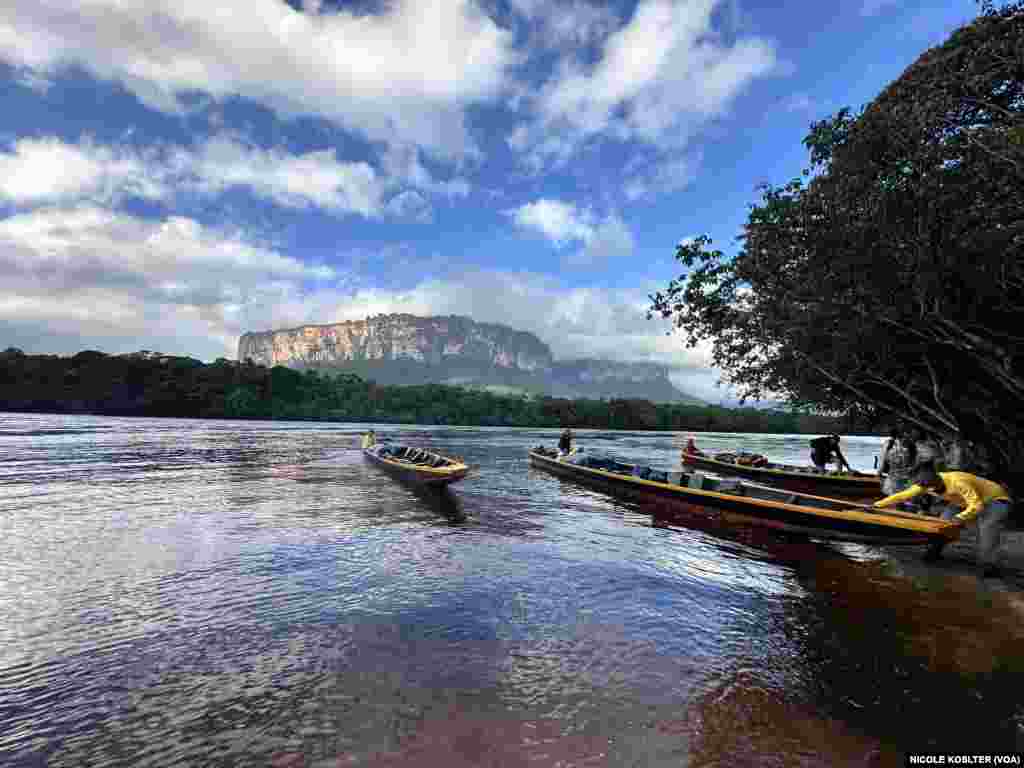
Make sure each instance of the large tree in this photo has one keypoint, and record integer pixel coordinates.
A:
(890, 282)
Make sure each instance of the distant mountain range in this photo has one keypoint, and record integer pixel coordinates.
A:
(406, 349)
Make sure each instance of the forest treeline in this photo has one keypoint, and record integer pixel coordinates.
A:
(148, 384)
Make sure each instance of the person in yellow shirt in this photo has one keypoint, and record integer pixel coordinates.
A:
(369, 439)
(982, 500)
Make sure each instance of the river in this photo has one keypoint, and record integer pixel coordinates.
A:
(218, 593)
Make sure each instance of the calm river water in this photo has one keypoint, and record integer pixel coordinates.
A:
(213, 593)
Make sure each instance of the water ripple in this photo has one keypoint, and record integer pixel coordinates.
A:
(177, 592)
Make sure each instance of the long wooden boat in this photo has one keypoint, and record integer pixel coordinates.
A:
(792, 478)
(416, 465)
(732, 501)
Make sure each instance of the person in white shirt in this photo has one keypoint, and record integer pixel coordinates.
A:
(899, 457)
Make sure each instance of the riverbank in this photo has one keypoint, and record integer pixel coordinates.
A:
(959, 558)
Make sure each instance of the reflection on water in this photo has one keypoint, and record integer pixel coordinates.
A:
(224, 593)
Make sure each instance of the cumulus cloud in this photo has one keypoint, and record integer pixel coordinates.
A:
(49, 171)
(39, 170)
(567, 23)
(403, 76)
(559, 221)
(563, 223)
(91, 276)
(658, 79)
(291, 180)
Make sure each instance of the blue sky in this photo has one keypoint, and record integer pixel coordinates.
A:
(174, 173)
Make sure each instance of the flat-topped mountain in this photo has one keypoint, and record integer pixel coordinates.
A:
(406, 349)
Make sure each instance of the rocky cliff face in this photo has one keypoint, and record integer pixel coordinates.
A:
(405, 349)
(428, 340)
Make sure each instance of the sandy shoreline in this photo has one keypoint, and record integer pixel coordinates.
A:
(959, 557)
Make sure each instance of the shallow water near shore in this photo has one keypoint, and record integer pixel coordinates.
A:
(216, 593)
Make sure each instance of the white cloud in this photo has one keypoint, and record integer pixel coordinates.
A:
(559, 221)
(567, 23)
(312, 178)
(563, 223)
(49, 170)
(88, 276)
(659, 78)
(403, 76)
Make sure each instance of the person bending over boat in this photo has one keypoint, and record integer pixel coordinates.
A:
(692, 449)
(899, 457)
(825, 450)
(369, 439)
(982, 500)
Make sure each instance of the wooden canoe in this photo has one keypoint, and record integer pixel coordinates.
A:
(732, 501)
(416, 465)
(794, 478)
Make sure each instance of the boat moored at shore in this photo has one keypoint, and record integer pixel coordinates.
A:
(733, 501)
(792, 478)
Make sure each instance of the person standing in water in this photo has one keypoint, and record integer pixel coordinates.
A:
(981, 500)
(369, 439)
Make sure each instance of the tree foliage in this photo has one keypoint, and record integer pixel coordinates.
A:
(145, 384)
(891, 281)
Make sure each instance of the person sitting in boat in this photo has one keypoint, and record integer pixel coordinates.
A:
(982, 500)
(691, 448)
(369, 439)
(565, 441)
(825, 450)
(899, 457)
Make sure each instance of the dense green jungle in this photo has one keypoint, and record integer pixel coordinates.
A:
(148, 384)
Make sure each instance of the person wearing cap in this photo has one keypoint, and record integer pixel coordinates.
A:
(982, 501)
